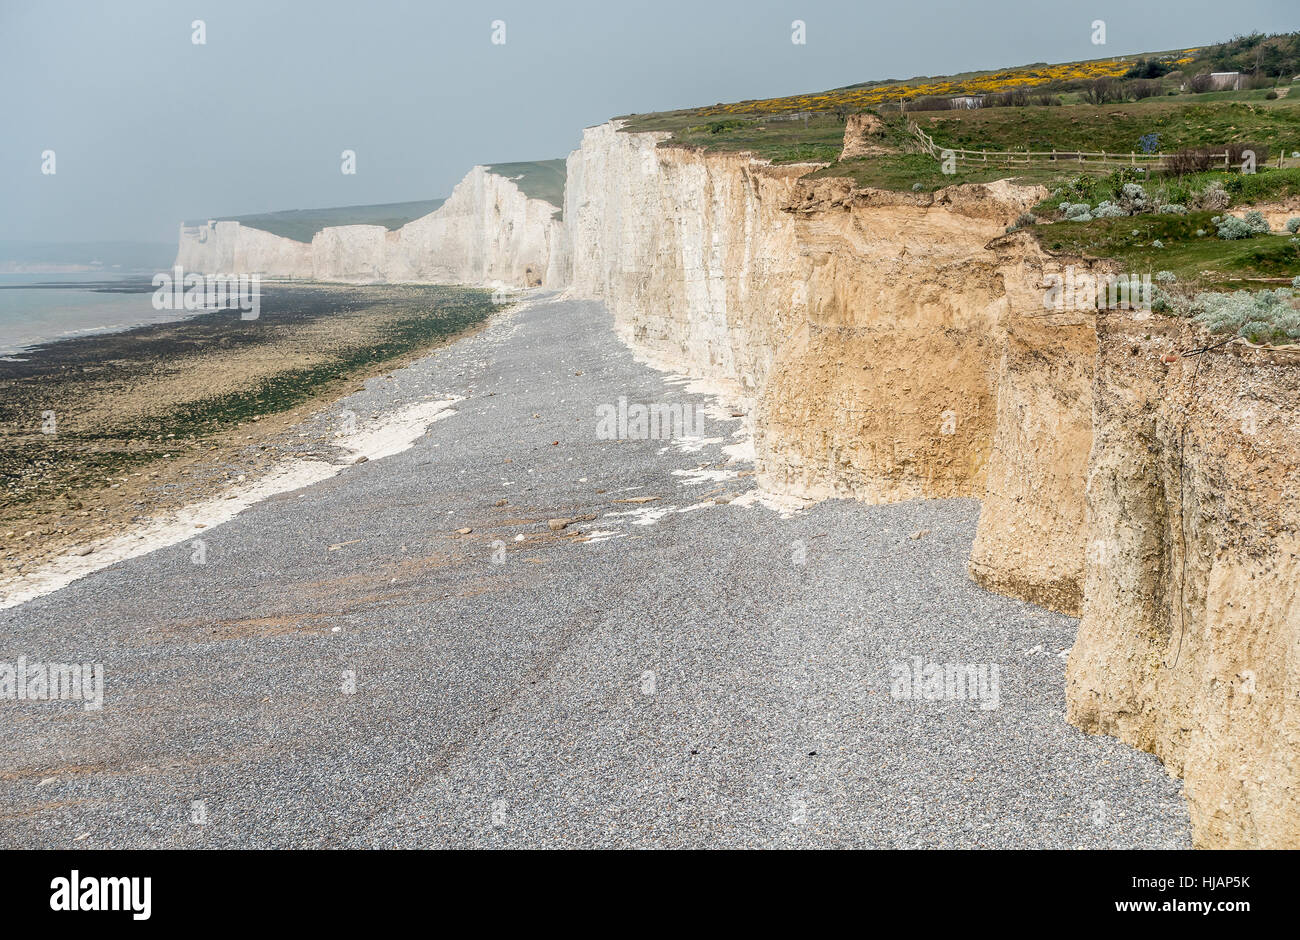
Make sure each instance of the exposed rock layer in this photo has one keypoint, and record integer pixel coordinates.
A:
(893, 345)
(864, 134)
(1190, 640)
(1031, 537)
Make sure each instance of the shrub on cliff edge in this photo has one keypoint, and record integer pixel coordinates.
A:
(1266, 316)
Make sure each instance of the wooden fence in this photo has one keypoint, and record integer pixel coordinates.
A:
(1085, 159)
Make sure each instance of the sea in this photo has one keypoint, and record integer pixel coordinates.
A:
(45, 308)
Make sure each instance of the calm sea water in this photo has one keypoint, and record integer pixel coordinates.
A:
(42, 308)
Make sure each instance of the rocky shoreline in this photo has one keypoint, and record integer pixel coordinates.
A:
(105, 432)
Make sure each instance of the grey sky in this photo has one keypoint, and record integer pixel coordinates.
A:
(149, 128)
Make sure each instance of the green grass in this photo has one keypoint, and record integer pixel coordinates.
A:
(301, 224)
(537, 179)
(1089, 127)
(1205, 261)
(1180, 119)
(1116, 128)
(1183, 121)
(902, 171)
(819, 140)
(1081, 127)
(1243, 189)
(1256, 94)
(1262, 186)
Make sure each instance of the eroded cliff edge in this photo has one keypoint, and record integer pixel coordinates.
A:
(487, 232)
(895, 345)
(1190, 641)
(890, 345)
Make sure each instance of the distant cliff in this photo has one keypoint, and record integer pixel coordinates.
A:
(490, 231)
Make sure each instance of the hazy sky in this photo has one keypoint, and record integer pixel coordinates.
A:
(149, 128)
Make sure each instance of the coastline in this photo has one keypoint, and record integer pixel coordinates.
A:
(163, 430)
(41, 309)
(765, 636)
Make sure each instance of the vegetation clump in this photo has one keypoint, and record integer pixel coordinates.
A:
(1263, 317)
(1232, 228)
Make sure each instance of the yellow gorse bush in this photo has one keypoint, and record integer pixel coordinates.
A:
(1026, 77)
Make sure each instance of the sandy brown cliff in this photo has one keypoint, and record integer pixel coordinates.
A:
(1031, 539)
(1190, 640)
(896, 345)
(864, 326)
(885, 339)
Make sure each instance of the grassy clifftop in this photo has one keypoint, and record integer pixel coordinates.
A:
(1182, 224)
(538, 179)
(1157, 101)
(301, 224)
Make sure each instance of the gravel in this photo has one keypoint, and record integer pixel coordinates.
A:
(349, 670)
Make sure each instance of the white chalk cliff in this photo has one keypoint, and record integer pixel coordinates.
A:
(487, 232)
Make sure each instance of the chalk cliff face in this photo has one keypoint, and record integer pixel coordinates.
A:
(231, 248)
(893, 346)
(1031, 538)
(487, 232)
(857, 323)
(1190, 640)
(350, 253)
